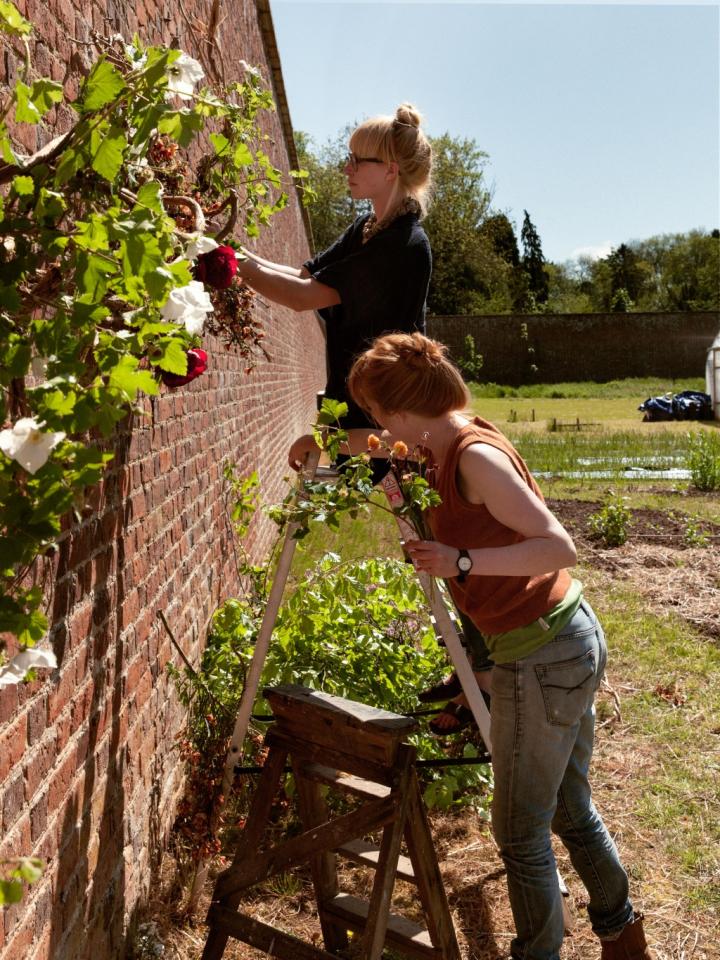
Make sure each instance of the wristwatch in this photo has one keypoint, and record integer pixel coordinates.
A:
(464, 565)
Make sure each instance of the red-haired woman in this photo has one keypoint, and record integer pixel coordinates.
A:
(506, 556)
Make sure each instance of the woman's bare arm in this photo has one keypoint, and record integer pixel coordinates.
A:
(294, 291)
(487, 477)
(277, 267)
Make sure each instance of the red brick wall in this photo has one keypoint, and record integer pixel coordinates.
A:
(583, 346)
(88, 777)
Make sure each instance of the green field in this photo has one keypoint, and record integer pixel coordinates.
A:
(590, 431)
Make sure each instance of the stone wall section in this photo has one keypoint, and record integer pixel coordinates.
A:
(88, 774)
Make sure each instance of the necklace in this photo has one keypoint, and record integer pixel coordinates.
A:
(373, 225)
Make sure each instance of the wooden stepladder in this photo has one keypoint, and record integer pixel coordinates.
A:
(360, 751)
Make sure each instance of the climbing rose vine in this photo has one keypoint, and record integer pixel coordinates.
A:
(115, 257)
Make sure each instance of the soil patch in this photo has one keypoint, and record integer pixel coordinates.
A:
(657, 560)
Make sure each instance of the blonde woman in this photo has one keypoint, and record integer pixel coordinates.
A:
(375, 277)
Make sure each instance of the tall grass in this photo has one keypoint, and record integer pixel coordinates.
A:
(614, 452)
(641, 387)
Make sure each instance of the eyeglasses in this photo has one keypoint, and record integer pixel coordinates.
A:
(354, 161)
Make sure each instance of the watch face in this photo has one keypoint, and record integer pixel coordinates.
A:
(464, 564)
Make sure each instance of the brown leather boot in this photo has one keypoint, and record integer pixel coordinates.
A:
(630, 945)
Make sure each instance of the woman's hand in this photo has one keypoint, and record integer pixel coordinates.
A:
(298, 453)
(437, 559)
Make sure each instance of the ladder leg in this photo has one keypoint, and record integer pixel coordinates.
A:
(379, 906)
(250, 838)
(215, 945)
(313, 812)
(428, 877)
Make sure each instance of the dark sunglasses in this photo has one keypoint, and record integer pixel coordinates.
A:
(355, 161)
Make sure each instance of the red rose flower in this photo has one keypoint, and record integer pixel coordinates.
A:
(217, 267)
(197, 364)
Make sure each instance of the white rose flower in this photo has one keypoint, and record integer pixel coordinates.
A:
(188, 305)
(244, 65)
(14, 671)
(184, 73)
(201, 245)
(27, 444)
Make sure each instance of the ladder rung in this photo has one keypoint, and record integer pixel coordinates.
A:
(401, 932)
(368, 854)
(344, 781)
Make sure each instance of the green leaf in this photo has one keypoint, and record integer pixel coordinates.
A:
(58, 402)
(32, 103)
(103, 85)
(45, 93)
(181, 125)
(126, 378)
(91, 275)
(91, 234)
(17, 357)
(220, 143)
(50, 205)
(33, 627)
(331, 411)
(107, 149)
(12, 22)
(23, 186)
(30, 869)
(8, 154)
(173, 356)
(242, 157)
(25, 109)
(9, 298)
(149, 196)
(11, 891)
(71, 161)
(139, 256)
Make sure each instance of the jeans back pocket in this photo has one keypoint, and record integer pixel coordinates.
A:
(567, 688)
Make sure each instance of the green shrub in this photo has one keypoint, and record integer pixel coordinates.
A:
(471, 362)
(610, 523)
(704, 459)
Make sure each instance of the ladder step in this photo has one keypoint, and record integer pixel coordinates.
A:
(344, 781)
(368, 854)
(401, 932)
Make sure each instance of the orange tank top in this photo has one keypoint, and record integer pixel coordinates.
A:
(494, 604)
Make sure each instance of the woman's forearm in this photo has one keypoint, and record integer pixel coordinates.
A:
(296, 292)
(277, 267)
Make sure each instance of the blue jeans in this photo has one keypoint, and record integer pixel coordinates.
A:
(543, 720)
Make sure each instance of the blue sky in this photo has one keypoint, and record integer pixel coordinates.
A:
(602, 120)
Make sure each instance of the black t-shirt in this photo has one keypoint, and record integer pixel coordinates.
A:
(383, 287)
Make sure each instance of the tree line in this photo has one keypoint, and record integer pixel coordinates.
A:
(480, 267)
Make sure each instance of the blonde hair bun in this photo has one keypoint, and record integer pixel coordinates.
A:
(400, 140)
(408, 114)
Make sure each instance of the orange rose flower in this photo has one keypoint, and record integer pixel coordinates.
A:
(373, 442)
(400, 450)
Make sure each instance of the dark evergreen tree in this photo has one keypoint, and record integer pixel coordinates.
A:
(533, 261)
(626, 273)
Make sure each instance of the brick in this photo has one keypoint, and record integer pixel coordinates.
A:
(61, 780)
(12, 801)
(38, 817)
(38, 764)
(12, 745)
(37, 718)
